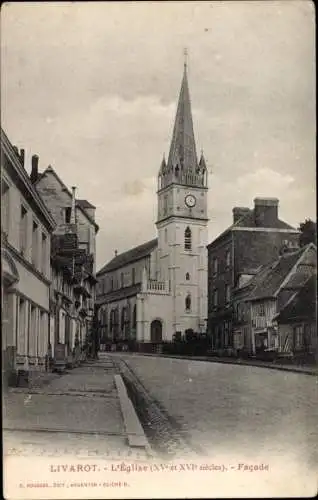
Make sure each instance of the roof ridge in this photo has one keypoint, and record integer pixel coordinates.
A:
(52, 170)
(117, 261)
(135, 248)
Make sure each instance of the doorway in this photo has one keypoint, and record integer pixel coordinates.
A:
(156, 331)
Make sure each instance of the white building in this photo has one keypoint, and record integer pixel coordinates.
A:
(26, 227)
(159, 289)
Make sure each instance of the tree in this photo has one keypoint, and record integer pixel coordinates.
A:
(308, 232)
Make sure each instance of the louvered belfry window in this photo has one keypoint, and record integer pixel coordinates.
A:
(187, 239)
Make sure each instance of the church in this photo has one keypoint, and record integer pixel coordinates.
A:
(157, 291)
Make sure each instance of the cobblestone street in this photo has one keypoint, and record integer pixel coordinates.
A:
(250, 412)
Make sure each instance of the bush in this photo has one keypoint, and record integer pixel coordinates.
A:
(266, 355)
(192, 345)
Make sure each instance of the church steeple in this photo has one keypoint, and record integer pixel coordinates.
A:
(183, 149)
(182, 166)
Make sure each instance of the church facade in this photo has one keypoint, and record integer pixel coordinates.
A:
(158, 290)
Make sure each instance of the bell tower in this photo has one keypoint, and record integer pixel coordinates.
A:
(182, 221)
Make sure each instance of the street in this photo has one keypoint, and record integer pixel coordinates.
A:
(228, 418)
(246, 411)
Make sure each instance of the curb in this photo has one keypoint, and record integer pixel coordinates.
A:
(291, 369)
(135, 433)
(163, 432)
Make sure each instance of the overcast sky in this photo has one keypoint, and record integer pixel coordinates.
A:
(92, 89)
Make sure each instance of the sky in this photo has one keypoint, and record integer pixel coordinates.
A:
(92, 88)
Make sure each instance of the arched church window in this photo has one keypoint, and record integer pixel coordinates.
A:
(122, 318)
(188, 302)
(166, 235)
(111, 323)
(177, 170)
(187, 276)
(187, 239)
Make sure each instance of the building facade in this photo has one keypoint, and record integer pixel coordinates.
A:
(26, 227)
(296, 322)
(256, 237)
(73, 260)
(258, 301)
(159, 289)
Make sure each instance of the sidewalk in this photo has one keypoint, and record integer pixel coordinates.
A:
(75, 413)
(305, 369)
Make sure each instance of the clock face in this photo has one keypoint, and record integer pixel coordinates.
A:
(190, 200)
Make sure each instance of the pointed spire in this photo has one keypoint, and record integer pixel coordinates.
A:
(163, 165)
(185, 53)
(183, 149)
(202, 163)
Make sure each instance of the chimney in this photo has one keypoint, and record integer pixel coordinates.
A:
(73, 213)
(266, 212)
(239, 212)
(22, 155)
(35, 168)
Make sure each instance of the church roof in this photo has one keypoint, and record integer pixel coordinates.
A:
(183, 149)
(121, 293)
(130, 256)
